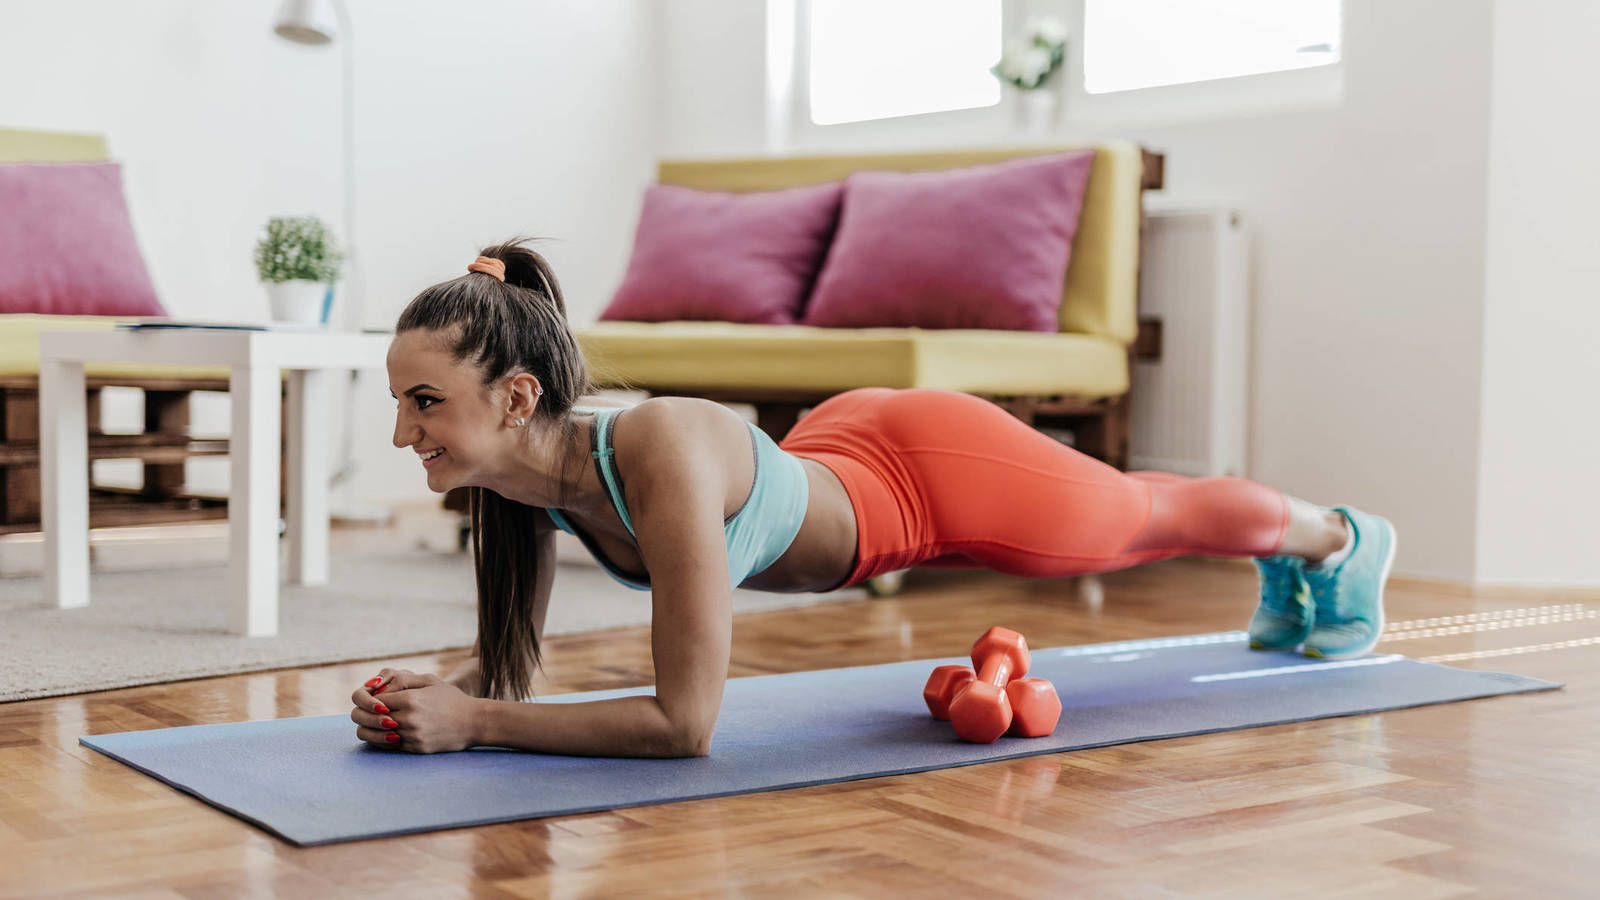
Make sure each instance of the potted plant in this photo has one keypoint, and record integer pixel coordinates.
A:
(1027, 65)
(297, 261)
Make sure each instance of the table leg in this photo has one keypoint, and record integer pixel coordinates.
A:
(253, 501)
(307, 462)
(64, 477)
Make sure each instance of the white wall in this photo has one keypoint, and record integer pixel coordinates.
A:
(1369, 224)
(487, 120)
(712, 71)
(1541, 371)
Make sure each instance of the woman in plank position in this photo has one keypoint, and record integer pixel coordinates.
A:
(683, 498)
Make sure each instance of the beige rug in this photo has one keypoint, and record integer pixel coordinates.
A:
(168, 625)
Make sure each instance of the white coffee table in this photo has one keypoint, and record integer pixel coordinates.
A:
(256, 360)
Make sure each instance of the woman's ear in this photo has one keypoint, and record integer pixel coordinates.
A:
(522, 397)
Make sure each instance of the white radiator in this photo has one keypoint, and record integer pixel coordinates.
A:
(1190, 408)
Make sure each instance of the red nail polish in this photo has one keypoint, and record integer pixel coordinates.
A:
(391, 737)
(372, 682)
(380, 709)
(380, 690)
(388, 723)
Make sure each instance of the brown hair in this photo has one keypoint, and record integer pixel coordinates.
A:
(519, 325)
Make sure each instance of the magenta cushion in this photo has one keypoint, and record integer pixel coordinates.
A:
(976, 247)
(67, 245)
(711, 256)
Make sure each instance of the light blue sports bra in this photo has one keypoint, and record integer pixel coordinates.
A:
(759, 533)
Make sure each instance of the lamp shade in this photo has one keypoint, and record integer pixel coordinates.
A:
(306, 22)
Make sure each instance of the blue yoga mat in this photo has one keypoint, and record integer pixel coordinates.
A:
(310, 781)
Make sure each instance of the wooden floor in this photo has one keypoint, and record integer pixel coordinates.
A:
(1495, 797)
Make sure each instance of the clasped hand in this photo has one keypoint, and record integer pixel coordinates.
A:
(402, 710)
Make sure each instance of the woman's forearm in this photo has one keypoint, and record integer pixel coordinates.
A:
(624, 726)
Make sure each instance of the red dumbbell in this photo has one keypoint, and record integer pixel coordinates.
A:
(1035, 708)
(980, 710)
(942, 686)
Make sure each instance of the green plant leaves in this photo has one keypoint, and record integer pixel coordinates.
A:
(297, 248)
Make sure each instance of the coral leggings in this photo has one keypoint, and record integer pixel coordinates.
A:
(945, 479)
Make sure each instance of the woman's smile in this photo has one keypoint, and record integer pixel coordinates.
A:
(431, 458)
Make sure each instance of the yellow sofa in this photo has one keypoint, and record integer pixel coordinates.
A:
(1077, 378)
(165, 443)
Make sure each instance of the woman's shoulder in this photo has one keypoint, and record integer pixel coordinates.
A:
(668, 418)
(662, 434)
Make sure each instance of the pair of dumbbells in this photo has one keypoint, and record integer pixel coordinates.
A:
(995, 699)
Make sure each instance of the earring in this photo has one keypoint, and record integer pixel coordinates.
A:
(519, 423)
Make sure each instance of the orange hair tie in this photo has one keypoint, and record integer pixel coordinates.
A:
(488, 265)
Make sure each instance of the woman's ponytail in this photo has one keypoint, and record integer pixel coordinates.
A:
(528, 270)
(516, 326)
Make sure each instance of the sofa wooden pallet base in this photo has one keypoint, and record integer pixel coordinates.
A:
(162, 448)
(123, 507)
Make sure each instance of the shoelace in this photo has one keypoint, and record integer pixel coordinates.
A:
(1313, 577)
(1278, 580)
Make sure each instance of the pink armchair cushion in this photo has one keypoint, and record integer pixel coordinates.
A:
(711, 256)
(976, 247)
(67, 245)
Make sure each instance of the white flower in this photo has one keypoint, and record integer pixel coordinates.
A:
(1011, 61)
(1024, 63)
(1050, 30)
(1033, 63)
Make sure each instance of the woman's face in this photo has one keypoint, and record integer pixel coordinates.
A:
(445, 414)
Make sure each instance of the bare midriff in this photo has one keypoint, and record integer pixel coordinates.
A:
(824, 551)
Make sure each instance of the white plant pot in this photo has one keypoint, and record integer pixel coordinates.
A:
(296, 301)
(1037, 110)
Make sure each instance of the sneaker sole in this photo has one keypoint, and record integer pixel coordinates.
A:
(1383, 582)
(1296, 644)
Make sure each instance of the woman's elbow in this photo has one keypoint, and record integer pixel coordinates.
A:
(689, 741)
(700, 746)
(682, 730)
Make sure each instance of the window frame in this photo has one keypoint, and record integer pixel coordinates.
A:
(789, 126)
(1290, 90)
(803, 46)
(790, 21)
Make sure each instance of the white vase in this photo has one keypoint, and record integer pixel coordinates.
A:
(296, 301)
(1036, 110)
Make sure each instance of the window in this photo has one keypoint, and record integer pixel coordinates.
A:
(1132, 44)
(873, 59)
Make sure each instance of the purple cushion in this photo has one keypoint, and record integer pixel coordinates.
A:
(976, 247)
(67, 245)
(709, 256)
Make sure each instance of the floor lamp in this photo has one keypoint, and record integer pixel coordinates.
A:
(318, 23)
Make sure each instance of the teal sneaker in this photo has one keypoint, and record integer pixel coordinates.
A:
(1348, 599)
(1283, 619)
